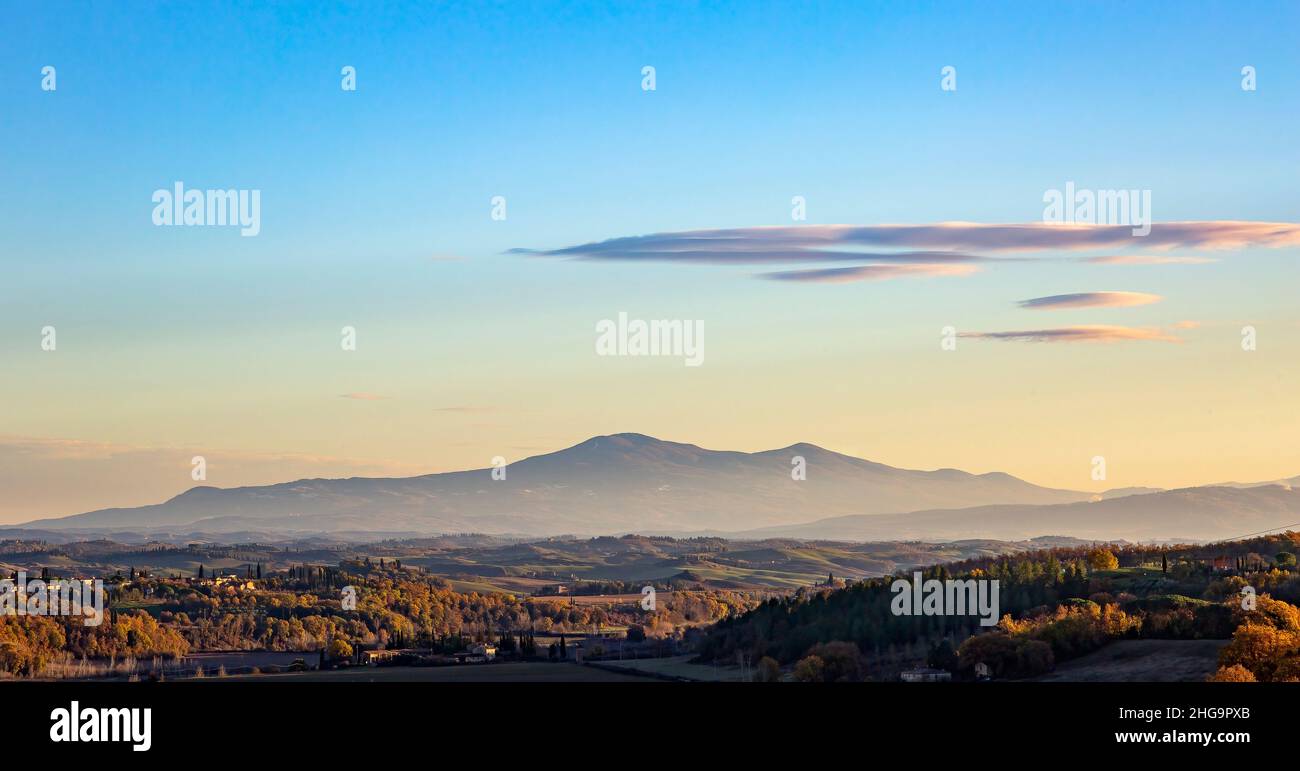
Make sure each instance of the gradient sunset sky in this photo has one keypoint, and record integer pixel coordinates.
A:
(475, 337)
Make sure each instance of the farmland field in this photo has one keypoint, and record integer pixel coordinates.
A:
(504, 672)
(679, 667)
(1152, 661)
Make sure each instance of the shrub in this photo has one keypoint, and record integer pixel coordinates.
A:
(1233, 674)
(809, 669)
(769, 671)
(841, 661)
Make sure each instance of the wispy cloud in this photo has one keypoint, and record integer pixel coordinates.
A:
(1090, 300)
(940, 242)
(363, 396)
(1148, 259)
(740, 252)
(870, 273)
(1082, 333)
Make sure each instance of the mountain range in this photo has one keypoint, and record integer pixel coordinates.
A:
(626, 483)
(1188, 515)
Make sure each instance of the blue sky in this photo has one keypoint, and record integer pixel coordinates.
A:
(192, 337)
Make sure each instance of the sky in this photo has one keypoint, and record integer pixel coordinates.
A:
(476, 334)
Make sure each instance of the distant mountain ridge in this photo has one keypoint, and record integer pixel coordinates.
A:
(607, 484)
(1188, 514)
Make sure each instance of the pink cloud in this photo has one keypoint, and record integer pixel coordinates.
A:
(1091, 300)
(933, 243)
(870, 273)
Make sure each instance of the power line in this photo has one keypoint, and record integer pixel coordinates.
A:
(1261, 532)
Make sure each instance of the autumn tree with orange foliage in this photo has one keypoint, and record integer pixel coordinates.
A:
(1233, 674)
(1267, 644)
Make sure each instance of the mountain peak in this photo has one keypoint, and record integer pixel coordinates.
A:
(629, 437)
(614, 449)
(802, 447)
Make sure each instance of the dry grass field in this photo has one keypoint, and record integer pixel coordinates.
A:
(1142, 661)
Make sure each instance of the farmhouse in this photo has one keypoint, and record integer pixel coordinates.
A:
(374, 658)
(479, 653)
(926, 675)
